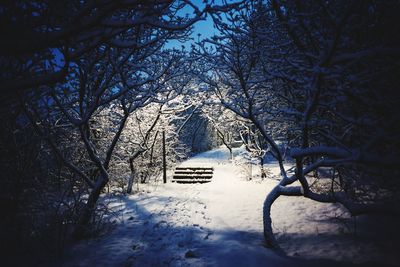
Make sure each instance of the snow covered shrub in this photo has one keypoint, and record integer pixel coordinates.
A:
(245, 163)
(137, 158)
(39, 195)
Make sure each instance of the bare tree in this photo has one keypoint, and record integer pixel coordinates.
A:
(305, 74)
(100, 85)
(40, 39)
(225, 124)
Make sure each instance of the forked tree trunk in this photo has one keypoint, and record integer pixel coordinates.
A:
(225, 142)
(88, 210)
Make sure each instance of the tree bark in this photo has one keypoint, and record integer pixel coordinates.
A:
(88, 210)
(263, 174)
(131, 177)
(278, 190)
(267, 222)
(164, 159)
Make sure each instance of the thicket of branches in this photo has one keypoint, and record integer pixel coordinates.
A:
(322, 77)
(88, 88)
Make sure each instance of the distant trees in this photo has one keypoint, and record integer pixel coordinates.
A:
(138, 156)
(225, 123)
(322, 77)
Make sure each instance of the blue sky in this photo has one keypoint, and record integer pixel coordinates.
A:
(203, 27)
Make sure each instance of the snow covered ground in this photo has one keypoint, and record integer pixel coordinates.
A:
(220, 224)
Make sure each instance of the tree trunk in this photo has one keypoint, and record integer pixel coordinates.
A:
(263, 174)
(278, 190)
(131, 177)
(267, 222)
(164, 159)
(88, 210)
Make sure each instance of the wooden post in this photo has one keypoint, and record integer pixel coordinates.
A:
(164, 159)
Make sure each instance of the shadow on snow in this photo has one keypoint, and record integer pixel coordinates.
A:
(142, 238)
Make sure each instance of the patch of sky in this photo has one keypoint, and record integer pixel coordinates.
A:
(202, 29)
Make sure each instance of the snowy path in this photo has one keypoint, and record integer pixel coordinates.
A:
(217, 224)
